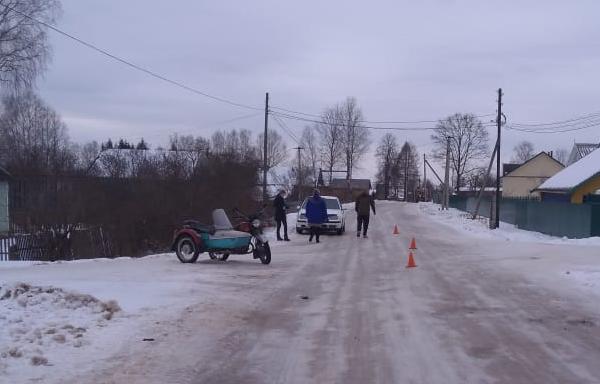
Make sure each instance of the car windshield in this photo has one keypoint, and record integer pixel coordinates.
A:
(330, 203)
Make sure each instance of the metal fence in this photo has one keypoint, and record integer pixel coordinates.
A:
(49, 246)
(552, 218)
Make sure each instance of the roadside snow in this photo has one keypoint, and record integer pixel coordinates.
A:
(39, 321)
(480, 228)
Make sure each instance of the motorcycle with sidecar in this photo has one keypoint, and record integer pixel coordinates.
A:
(222, 239)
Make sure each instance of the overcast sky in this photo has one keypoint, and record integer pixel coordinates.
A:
(402, 60)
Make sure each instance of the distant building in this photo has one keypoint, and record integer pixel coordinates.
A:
(577, 183)
(521, 180)
(352, 184)
(4, 185)
(581, 150)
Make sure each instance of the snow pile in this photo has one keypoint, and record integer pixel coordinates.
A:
(480, 228)
(36, 321)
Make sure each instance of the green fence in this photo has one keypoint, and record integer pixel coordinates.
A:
(552, 218)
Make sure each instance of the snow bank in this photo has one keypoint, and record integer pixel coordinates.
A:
(480, 228)
(39, 321)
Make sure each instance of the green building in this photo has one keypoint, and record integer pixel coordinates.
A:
(4, 178)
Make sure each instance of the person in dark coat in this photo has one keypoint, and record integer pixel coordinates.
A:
(281, 215)
(363, 206)
(316, 214)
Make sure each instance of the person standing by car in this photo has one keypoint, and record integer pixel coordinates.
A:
(363, 205)
(316, 214)
(281, 215)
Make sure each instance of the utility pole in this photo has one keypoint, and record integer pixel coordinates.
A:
(424, 178)
(499, 122)
(299, 173)
(265, 195)
(447, 176)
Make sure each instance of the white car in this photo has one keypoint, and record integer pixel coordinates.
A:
(336, 221)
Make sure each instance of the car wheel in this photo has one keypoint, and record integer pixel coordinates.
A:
(299, 231)
(186, 249)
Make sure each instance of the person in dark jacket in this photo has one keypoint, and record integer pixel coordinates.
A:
(281, 215)
(316, 214)
(363, 205)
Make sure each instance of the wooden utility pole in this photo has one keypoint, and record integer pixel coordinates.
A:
(447, 176)
(265, 165)
(424, 178)
(499, 122)
(299, 173)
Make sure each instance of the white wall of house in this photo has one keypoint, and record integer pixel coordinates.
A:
(3, 206)
(521, 181)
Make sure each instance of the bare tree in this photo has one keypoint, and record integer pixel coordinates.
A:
(386, 153)
(561, 155)
(523, 151)
(468, 143)
(34, 135)
(405, 173)
(355, 137)
(276, 148)
(24, 47)
(331, 141)
(308, 141)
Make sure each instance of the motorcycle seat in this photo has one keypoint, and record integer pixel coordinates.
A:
(199, 227)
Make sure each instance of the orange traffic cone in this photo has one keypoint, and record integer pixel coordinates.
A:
(413, 244)
(396, 231)
(411, 261)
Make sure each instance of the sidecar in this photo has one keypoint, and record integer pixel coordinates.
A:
(195, 238)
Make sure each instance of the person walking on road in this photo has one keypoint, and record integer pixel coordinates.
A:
(316, 214)
(363, 206)
(281, 215)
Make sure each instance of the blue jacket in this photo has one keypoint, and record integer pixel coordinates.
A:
(316, 210)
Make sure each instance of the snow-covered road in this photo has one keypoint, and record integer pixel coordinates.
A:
(475, 310)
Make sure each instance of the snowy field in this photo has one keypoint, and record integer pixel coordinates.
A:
(66, 322)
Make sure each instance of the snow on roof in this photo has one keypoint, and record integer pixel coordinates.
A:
(575, 174)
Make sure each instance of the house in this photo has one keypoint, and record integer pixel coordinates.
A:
(580, 150)
(521, 180)
(4, 185)
(577, 183)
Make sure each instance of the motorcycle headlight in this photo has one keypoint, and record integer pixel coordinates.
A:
(256, 223)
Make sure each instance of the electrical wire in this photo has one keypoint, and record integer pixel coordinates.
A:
(291, 117)
(130, 64)
(560, 123)
(290, 111)
(285, 129)
(552, 131)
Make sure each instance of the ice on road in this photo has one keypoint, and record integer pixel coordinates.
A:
(475, 310)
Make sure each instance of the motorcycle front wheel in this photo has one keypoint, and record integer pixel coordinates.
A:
(263, 252)
(186, 249)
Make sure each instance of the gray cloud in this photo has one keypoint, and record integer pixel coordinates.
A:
(403, 60)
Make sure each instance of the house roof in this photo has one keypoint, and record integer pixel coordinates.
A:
(581, 150)
(507, 173)
(509, 167)
(354, 183)
(574, 175)
(4, 174)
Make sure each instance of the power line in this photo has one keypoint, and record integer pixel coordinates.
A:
(591, 125)
(291, 117)
(285, 129)
(290, 111)
(580, 118)
(130, 64)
